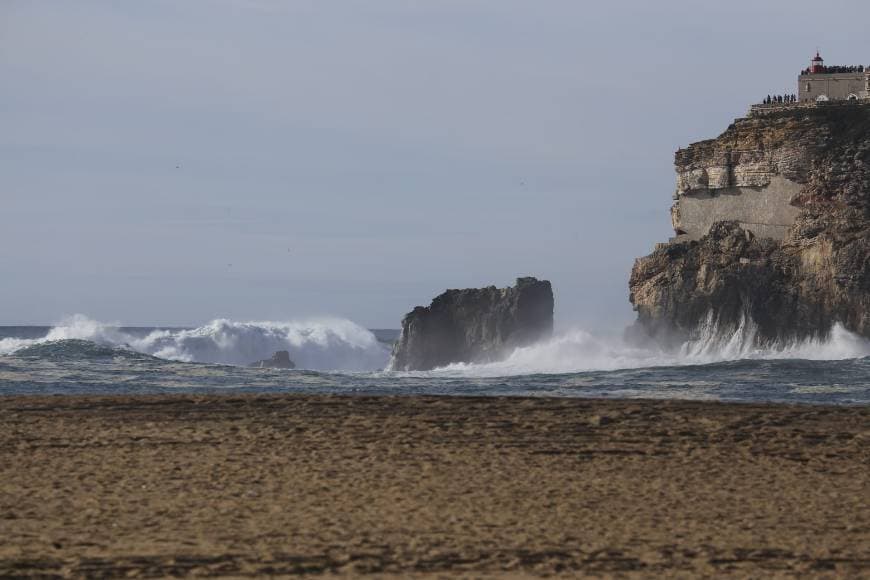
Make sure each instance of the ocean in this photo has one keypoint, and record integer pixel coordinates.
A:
(84, 356)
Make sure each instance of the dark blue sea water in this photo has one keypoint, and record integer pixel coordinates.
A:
(82, 356)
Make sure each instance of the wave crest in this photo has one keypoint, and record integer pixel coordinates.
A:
(333, 344)
(323, 344)
(75, 349)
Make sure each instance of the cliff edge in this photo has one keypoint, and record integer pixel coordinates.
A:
(474, 325)
(772, 224)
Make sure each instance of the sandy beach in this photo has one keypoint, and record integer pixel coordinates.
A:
(430, 487)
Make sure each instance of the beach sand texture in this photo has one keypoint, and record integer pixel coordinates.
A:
(430, 487)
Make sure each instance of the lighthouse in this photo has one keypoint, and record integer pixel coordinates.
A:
(818, 64)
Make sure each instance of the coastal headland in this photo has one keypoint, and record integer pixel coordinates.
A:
(244, 485)
(772, 231)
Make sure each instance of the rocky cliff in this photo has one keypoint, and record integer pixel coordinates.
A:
(474, 325)
(773, 227)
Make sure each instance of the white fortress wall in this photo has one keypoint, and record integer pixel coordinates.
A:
(835, 86)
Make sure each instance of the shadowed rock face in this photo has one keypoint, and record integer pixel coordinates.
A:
(474, 325)
(794, 286)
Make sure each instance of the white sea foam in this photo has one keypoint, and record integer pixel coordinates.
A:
(715, 345)
(321, 344)
(341, 345)
(10, 345)
(572, 351)
(73, 327)
(578, 351)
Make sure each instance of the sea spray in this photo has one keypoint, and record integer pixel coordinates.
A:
(713, 342)
(75, 327)
(563, 367)
(579, 351)
(330, 344)
(325, 344)
(333, 344)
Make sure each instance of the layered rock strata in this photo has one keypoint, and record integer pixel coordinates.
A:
(474, 325)
(773, 226)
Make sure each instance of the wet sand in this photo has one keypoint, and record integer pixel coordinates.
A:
(430, 487)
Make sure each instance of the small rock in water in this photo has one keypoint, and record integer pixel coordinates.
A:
(279, 360)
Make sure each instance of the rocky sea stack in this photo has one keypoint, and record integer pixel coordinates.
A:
(474, 325)
(772, 223)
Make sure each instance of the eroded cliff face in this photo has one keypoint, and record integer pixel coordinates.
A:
(474, 325)
(773, 223)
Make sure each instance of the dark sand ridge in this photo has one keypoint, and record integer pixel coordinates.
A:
(431, 487)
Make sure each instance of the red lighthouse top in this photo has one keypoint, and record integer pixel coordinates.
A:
(818, 65)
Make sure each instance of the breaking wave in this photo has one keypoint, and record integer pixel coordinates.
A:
(715, 345)
(323, 344)
(76, 349)
(579, 351)
(340, 345)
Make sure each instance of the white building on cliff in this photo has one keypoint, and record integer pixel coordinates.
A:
(833, 83)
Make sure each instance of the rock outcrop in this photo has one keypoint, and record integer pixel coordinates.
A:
(474, 325)
(773, 228)
(279, 360)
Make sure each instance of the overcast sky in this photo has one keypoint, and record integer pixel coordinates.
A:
(170, 162)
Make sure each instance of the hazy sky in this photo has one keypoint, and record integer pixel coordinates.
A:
(170, 162)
